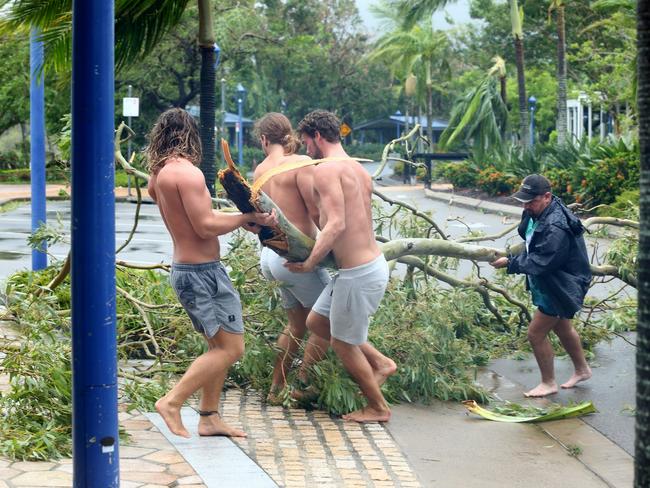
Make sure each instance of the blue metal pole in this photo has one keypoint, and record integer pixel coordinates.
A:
(240, 134)
(94, 351)
(37, 144)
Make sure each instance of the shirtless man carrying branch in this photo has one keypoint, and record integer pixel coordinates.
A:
(198, 277)
(299, 290)
(342, 191)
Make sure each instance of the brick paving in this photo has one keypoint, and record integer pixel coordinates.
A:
(297, 448)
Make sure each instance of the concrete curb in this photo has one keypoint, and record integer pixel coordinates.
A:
(473, 203)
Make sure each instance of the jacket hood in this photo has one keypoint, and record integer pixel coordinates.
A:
(559, 214)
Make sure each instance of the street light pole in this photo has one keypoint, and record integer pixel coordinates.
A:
(223, 112)
(397, 114)
(128, 151)
(532, 101)
(241, 93)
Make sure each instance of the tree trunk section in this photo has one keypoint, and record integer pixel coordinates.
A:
(524, 121)
(561, 77)
(207, 94)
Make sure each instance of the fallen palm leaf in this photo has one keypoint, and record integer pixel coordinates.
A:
(518, 413)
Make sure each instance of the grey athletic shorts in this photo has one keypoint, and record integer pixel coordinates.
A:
(351, 298)
(208, 297)
(296, 288)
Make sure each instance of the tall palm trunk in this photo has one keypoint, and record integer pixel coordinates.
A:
(429, 105)
(207, 93)
(561, 76)
(642, 445)
(503, 91)
(518, 36)
(430, 117)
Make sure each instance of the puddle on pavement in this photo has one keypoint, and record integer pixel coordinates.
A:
(10, 256)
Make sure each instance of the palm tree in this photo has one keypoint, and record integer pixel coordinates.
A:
(642, 443)
(139, 25)
(420, 51)
(518, 37)
(414, 10)
(207, 98)
(561, 125)
(480, 116)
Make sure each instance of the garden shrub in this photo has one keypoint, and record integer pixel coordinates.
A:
(12, 160)
(368, 150)
(609, 177)
(495, 182)
(563, 183)
(461, 174)
(626, 206)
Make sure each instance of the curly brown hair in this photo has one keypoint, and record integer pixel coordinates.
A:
(325, 123)
(175, 134)
(277, 130)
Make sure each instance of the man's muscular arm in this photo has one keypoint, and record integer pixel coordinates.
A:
(205, 221)
(332, 209)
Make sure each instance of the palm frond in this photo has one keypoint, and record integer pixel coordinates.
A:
(413, 11)
(139, 26)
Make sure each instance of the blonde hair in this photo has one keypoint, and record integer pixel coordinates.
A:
(277, 130)
(175, 133)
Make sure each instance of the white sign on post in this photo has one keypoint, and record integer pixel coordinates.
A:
(130, 107)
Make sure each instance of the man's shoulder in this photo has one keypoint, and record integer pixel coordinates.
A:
(178, 171)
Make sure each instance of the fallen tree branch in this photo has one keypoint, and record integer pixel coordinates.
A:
(413, 210)
(390, 146)
(438, 247)
(453, 281)
(133, 171)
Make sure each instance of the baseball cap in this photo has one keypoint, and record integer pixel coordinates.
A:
(532, 186)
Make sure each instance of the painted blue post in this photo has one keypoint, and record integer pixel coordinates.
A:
(241, 93)
(94, 351)
(37, 144)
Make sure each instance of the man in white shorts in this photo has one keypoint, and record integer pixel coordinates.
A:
(342, 192)
(299, 290)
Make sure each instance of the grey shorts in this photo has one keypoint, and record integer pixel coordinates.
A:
(208, 297)
(351, 298)
(296, 288)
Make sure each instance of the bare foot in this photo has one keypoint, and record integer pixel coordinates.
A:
(275, 397)
(213, 425)
(387, 369)
(577, 377)
(368, 414)
(307, 394)
(542, 390)
(172, 417)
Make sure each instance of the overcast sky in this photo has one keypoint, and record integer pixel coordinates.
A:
(458, 10)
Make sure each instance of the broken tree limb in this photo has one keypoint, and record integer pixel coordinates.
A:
(411, 208)
(438, 247)
(129, 169)
(390, 146)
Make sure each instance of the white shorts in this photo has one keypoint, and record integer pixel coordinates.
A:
(351, 298)
(296, 288)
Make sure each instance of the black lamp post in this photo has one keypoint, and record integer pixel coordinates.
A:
(241, 96)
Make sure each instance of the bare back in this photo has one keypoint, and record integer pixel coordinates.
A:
(291, 191)
(180, 192)
(344, 190)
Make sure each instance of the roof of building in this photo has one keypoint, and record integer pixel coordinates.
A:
(392, 120)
